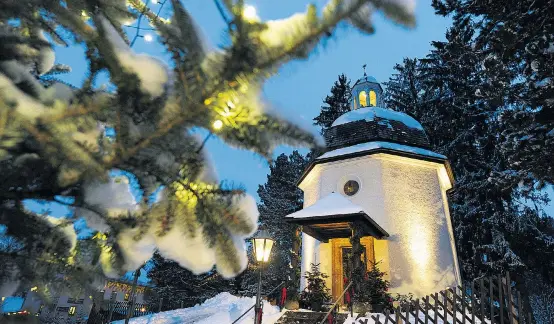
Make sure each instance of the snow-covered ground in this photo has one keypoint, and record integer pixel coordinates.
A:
(368, 319)
(225, 308)
(221, 309)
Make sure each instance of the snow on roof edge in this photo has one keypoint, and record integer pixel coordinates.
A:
(370, 113)
(332, 204)
(369, 146)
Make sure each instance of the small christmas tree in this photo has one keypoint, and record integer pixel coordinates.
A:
(374, 290)
(316, 293)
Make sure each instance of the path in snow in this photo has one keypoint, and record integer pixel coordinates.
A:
(221, 309)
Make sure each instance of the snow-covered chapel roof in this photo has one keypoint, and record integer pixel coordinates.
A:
(374, 113)
(332, 204)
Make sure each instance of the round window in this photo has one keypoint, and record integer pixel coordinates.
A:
(351, 187)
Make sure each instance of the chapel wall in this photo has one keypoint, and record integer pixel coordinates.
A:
(407, 198)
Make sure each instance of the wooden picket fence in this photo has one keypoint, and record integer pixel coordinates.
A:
(489, 300)
(114, 311)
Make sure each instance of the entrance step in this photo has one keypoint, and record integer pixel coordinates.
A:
(304, 317)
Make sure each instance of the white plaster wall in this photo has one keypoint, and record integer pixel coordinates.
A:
(310, 246)
(422, 260)
(407, 198)
(326, 263)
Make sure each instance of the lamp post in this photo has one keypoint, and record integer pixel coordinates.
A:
(262, 248)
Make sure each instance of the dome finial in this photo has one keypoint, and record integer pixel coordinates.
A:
(364, 66)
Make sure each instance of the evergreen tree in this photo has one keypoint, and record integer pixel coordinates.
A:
(178, 285)
(374, 288)
(280, 196)
(517, 36)
(335, 104)
(58, 144)
(316, 294)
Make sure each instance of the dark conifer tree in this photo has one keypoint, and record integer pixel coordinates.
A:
(335, 104)
(280, 196)
(518, 36)
(179, 286)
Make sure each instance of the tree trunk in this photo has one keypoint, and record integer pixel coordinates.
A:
(521, 285)
(294, 284)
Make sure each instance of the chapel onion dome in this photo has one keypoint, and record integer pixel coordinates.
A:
(369, 122)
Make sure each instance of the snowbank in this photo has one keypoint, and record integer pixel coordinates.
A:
(221, 309)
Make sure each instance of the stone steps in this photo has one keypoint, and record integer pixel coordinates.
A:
(303, 317)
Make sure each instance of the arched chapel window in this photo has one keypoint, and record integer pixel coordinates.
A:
(372, 98)
(363, 99)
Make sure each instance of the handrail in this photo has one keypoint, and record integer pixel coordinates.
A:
(335, 304)
(248, 310)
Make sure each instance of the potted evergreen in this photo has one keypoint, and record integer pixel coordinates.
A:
(373, 295)
(316, 294)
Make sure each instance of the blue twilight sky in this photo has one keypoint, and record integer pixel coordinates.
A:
(297, 92)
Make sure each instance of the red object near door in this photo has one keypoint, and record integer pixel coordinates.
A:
(283, 296)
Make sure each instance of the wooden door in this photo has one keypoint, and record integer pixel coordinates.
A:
(340, 246)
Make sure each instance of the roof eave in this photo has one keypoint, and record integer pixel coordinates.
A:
(376, 151)
(342, 217)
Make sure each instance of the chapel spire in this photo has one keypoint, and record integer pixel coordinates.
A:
(366, 92)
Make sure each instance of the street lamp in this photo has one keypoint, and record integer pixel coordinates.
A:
(262, 248)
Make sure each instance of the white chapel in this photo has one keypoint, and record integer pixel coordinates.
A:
(379, 178)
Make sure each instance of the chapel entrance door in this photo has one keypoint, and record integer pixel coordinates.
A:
(342, 265)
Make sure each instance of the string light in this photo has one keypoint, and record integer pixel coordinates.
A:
(154, 1)
(217, 124)
(148, 37)
(249, 13)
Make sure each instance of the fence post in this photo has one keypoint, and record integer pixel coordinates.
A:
(111, 306)
(491, 297)
(160, 305)
(445, 306)
(501, 299)
(482, 288)
(473, 304)
(131, 310)
(519, 309)
(510, 298)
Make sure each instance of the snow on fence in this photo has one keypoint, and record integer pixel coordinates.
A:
(489, 300)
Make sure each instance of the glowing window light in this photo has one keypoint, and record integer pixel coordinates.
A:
(362, 97)
(262, 246)
(71, 311)
(217, 124)
(249, 13)
(372, 98)
(148, 37)
(35, 288)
